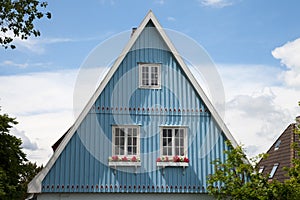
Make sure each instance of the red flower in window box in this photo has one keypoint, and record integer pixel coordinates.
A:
(133, 159)
(186, 160)
(158, 160)
(124, 158)
(176, 159)
(115, 158)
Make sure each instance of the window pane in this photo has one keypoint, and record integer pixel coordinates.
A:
(165, 142)
(177, 151)
(134, 132)
(169, 132)
(122, 141)
(145, 69)
(121, 150)
(176, 132)
(117, 152)
(165, 151)
(122, 132)
(181, 133)
(181, 151)
(129, 150)
(117, 132)
(181, 142)
(164, 132)
(117, 141)
(169, 142)
(134, 152)
(169, 151)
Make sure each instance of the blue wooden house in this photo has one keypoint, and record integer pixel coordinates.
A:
(148, 132)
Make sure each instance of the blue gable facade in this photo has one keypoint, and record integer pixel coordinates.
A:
(83, 164)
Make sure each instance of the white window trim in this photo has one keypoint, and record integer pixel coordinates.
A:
(126, 140)
(141, 65)
(173, 143)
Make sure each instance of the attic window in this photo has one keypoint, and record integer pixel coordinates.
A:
(275, 166)
(277, 145)
(149, 75)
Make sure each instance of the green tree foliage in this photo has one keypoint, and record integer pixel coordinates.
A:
(236, 178)
(17, 19)
(15, 170)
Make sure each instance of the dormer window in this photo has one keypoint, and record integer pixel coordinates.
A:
(149, 75)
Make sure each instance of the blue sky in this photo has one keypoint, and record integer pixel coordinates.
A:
(253, 43)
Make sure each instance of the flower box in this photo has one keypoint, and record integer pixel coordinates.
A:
(176, 161)
(172, 164)
(123, 164)
(117, 161)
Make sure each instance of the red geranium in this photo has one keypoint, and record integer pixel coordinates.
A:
(115, 158)
(133, 159)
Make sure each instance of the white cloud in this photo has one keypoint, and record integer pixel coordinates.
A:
(171, 19)
(216, 3)
(37, 45)
(258, 104)
(37, 92)
(26, 142)
(289, 56)
(160, 2)
(11, 63)
(43, 106)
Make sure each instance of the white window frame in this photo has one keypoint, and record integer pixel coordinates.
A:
(173, 128)
(149, 66)
(273, 171)
(126, 127)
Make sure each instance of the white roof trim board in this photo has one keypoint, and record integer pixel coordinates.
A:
(35, 185)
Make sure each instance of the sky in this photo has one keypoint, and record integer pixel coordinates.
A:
(254, 44)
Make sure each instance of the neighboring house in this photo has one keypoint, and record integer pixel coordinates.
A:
(280, 155)
(148, 132)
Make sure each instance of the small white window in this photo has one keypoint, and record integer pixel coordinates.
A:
(125, 141)
(173, 141)
(277, 145)
(149, 75)
(261, 169)
(275, 166)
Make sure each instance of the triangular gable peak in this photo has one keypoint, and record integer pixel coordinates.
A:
(151, 22)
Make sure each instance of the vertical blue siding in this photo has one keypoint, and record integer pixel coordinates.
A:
(83, 165)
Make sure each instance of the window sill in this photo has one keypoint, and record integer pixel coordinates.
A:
(124, 164)
(172, 164)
